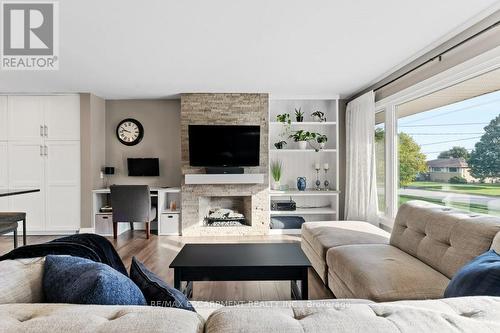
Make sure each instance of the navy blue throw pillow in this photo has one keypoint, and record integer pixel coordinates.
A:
(77, 280)
(156, 291)
(479, 277)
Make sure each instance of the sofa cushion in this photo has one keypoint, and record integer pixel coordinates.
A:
(443, 238)
(495, 245)
(97, 318)
(384, 273)
(156, 291)
(324, 235)
(77, 280)
(481, 276)
(474, 314)
(21, 280)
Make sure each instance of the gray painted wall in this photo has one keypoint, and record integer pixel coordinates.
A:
(161, 119)
(92, 128)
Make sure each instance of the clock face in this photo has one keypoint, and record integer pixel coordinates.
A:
(130, 132)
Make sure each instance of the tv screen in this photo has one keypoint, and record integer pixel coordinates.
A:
(143, 167)
(224, 145)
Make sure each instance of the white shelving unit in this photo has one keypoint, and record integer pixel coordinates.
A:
(312, 205)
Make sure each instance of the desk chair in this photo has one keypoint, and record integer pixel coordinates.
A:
(9, 227)
(14, 217)
(131, 203)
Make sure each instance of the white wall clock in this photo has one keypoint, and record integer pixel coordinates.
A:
(129, 132)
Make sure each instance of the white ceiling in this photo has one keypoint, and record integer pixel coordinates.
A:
(158, 48)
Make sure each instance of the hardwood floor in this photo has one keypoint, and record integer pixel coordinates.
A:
(159, 251)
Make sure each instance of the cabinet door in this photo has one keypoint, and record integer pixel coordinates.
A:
(4, 171)
(3, 118)
(62, 117)
(26, 171)
(25, 118)
(62, 170)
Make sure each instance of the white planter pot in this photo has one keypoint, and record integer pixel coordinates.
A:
(302, 145)
(322, 145)
(276, 185)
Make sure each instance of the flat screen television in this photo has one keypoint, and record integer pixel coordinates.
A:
(224, 145)
(149, 167)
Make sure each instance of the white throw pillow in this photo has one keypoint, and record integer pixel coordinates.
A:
(21, 280)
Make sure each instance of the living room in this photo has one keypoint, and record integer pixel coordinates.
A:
(252, 166)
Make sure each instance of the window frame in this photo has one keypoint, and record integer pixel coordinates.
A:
(479, 65)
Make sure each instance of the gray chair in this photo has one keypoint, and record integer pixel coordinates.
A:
(5, 228)
(11, 217)
(131, 203)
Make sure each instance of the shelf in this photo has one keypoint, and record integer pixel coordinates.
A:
(242, 178)
(168, 211)
(295, 123)
(305, 211)
(327, 150)
(296, 193)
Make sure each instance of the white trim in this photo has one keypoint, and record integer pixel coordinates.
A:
(481, 64)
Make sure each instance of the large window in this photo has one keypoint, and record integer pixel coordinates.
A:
(450, 155)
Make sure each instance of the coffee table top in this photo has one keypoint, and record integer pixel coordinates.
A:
(241, 255)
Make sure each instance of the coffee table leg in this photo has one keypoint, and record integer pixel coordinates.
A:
(177, 279)
(304, 286)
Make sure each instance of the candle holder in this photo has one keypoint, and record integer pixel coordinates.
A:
(318, 182)
(326, 183)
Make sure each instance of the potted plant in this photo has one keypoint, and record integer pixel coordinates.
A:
(280, 144)
(321, 139)
(284, 118)
(299, 115)
(276, 171)
(318, 116)
(303, 137)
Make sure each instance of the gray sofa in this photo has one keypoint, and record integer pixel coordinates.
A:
(428, 245)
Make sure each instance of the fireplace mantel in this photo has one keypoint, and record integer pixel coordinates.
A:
(243, 178)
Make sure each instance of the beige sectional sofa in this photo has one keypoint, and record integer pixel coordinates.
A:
(428, 245)
(467, 314)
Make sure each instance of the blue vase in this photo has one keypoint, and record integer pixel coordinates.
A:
(301, 183)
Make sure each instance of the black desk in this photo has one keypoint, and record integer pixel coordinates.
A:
(8, 193)
(242, 262)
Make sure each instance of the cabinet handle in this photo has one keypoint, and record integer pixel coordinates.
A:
(41, 130)
(46, 151)
(41, 149)
(46, 131)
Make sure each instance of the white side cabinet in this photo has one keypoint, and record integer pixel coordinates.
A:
(42, 151)
(170, 224)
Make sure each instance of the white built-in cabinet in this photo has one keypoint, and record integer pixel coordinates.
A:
(40, 148)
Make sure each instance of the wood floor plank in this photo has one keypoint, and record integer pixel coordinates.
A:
(158, 252)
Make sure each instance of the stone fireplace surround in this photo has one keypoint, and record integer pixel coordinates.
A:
(225, 109)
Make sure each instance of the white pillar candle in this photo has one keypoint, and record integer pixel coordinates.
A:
(325, 166)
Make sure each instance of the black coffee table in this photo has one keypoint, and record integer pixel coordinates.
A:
(242, 262)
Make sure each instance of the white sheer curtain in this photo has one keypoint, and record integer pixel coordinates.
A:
(361, 186)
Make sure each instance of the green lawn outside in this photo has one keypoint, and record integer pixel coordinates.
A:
(466, 207)
(479, 189)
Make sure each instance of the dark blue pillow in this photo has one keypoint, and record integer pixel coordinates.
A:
(156, 291)
(77, 280)
(479, 277)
